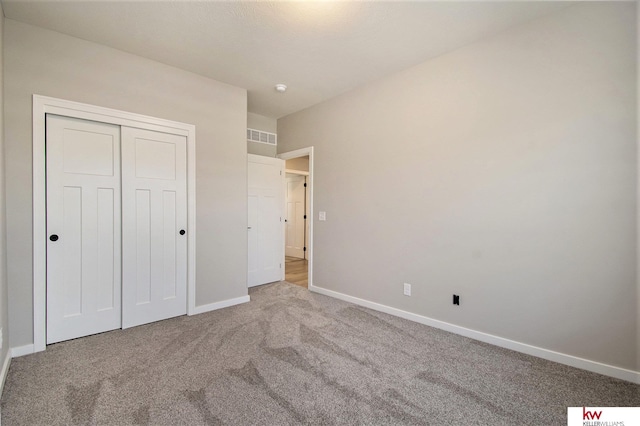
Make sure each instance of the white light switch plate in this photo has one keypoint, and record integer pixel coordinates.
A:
(322, 216)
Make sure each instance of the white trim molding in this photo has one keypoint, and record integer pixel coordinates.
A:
(638, 196)
(570, 360)
(22, 350)
(302, 153)
(43, 105)
(222, 304)
(5, 370)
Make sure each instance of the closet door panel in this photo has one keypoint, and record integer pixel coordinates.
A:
(154, 215)
(83, 228)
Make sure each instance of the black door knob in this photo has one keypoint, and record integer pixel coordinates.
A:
(182, 232)
(53, 237)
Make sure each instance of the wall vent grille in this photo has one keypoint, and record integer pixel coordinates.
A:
(262, 137)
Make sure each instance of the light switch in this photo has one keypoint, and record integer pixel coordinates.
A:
(322, 215)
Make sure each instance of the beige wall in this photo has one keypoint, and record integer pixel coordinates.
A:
(266, 124)
(300, 163)
(51, 64)
(4, 311)
(504, 172)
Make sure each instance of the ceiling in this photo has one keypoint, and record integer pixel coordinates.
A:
(319, 49)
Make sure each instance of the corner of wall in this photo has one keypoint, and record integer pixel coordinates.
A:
(638, 188)
(4, 370)
(5, 352)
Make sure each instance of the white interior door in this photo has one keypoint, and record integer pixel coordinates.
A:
(154, 225)
(295, 229)
(83, 227)
(265, 220)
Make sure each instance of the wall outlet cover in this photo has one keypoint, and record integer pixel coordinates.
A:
(407, 289)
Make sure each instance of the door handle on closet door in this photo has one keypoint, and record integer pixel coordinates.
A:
(182, 232)
(53, 237)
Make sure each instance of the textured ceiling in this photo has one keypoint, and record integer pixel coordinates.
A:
(319, 49)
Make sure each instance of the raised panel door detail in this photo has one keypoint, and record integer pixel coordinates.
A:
(155, 159)
(269, 224)
(72, 246)
(265, 176)
(143, 247)
(169, 244)
(106, 241)
(88, 153)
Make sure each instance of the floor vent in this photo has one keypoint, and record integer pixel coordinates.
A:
(262, 137)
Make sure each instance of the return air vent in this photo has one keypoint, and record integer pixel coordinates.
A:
(262, 137)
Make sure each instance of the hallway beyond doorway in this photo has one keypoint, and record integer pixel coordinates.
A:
(296, 271)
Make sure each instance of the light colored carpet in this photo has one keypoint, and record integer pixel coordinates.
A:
(294, 357)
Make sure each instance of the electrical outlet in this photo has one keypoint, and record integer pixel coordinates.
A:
(456, 299)
(407, 289)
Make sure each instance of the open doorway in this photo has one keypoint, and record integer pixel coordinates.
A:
(298, 216)
(296, 229)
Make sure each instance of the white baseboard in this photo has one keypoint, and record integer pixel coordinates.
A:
(219, 305)
(570, 360)
(22, 350)
(5, 369)
(29, 349)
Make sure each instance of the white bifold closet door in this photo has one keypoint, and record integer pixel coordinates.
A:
(116, 212)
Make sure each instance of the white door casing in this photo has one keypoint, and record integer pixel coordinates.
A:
(265, 231)
(83, 223)
(154, 224)
(295, 225)
(307, 212)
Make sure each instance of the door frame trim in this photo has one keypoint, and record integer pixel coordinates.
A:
(43, 105)
(302, 152)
